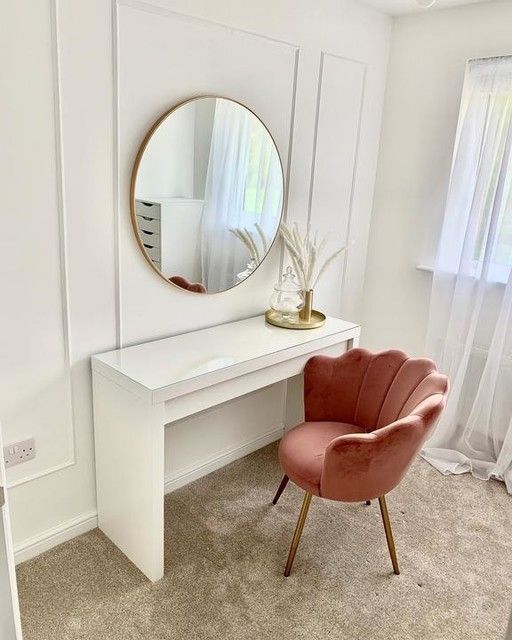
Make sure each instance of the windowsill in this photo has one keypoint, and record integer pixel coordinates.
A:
(425, 267)
(496, 276)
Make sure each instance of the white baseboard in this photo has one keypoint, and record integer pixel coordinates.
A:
(174, 481)
(50, 538)
(32, 547)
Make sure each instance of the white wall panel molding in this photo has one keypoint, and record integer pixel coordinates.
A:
(336, 148)
(70, 458)
(350, 249)
(290, 137)
(115, 169)
(323, 55)
(162, 10)
(154, 8)
(315, 136)
(100, 72)
(288, 166)
(225, 78)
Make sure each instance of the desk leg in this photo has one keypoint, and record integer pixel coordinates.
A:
(129, 443)
(353, 343)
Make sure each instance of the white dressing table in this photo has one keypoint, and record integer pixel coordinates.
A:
(139, 390)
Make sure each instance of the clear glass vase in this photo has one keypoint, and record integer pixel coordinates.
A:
(288, 298)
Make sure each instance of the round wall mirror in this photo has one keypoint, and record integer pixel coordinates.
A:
(207, 194)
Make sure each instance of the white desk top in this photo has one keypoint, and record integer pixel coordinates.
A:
(167, 368)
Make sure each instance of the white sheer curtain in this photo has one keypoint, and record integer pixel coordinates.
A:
(243, 187)
(470, 324)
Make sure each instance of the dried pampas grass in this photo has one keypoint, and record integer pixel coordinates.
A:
(305, 254)
(256, 242)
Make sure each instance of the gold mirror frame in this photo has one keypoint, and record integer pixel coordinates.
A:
(133, 211)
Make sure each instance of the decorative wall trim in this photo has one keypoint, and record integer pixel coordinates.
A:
(149, 7)
(115, 170)
(315, 135)
(194, 472)
(323, 55)
(292, 130)
(41, 474)
(290, 149)
(355, 168)
(63, 252)
(66, 531)
(44, 541)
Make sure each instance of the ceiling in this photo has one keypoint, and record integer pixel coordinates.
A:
(400, 7)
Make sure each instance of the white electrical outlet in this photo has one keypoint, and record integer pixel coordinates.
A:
(18, 452)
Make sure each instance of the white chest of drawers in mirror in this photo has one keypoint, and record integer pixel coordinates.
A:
(179, 221)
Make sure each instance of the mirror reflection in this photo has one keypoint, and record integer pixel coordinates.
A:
(207, 194)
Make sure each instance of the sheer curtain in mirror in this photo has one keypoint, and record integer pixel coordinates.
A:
(243, 188)
(470, 322)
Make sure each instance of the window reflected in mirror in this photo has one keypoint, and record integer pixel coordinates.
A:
(207, 194)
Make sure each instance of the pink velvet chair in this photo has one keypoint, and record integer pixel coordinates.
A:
(367, 416)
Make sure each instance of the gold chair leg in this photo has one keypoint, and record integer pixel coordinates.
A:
(298, 532)
(389, 534)
(281, 488)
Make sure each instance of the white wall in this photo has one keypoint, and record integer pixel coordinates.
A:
(425, 77)
(88, 81)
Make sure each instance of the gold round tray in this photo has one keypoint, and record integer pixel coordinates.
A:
(317, 320)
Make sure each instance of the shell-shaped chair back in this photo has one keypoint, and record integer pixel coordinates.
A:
(370, 390)
(395, 399)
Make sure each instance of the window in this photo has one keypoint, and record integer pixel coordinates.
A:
(477, 232)
(500, 177)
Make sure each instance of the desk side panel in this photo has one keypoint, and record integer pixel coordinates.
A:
(129, 444)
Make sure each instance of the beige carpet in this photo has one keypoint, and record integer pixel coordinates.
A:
(225, 551)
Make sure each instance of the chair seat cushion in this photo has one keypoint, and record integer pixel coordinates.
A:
(302, 450)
